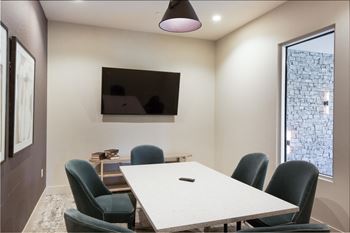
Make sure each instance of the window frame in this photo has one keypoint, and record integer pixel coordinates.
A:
(283, 49)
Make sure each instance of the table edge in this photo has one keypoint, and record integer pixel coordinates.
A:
(214, 222)
(223, 221)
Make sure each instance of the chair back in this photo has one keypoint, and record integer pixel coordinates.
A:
(78, 222)
(295, 182)
(251, 170)
(85, 185)
(146, 154)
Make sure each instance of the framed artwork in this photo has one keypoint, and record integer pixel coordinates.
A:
(22, 82)
(3, 88)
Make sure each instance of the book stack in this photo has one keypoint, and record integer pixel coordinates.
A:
(97, 156)
(111, 153)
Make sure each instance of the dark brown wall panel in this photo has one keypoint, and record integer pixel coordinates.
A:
(21, 183)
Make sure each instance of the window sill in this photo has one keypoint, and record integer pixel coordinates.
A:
(326, 178)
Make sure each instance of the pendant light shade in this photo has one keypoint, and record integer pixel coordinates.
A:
(180, 17)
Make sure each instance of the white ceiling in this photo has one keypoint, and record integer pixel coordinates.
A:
(145, 15)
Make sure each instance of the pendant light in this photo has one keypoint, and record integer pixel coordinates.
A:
(180, 17)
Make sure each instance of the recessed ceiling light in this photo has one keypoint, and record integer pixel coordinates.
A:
(216, 18)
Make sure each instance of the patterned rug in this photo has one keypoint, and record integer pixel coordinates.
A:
(48, 216)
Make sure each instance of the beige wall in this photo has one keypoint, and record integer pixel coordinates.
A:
(247, 95)
(242, 102)
(75, 126)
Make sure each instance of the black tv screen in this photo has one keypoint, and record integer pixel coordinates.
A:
(139, 92)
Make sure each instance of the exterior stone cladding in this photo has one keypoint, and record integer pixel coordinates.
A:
(309, 120)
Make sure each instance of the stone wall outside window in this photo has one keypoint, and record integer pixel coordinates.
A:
(309, 76)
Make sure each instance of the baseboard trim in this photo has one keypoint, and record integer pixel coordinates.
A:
(34, 210)
(58, 189)
(333, 229)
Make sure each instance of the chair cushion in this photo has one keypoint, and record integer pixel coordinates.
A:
(118, 203)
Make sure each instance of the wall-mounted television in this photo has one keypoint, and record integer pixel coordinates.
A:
(139, 92)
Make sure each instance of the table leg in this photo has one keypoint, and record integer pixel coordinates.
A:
(225, 228)
(101, 170)
(238, 226)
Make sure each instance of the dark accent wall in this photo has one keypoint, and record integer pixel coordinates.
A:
(21, 182)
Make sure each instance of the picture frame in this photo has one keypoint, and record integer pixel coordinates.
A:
(22, 96)
(4, 53)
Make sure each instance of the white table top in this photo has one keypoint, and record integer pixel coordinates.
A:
(214, 198)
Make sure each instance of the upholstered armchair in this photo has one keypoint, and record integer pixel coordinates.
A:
(294, 182)
(94, 199)
(78, 222)
(251, 170)
(146, 154)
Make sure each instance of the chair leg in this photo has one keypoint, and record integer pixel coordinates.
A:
(238, 226)
(225, 228)
(131, 223)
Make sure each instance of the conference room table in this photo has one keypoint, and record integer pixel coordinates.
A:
(213, 198)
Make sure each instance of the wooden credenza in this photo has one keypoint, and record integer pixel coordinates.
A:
(114, 173)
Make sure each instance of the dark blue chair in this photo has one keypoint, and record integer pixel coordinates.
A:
(94, 199)
(291, 228)
(294, 182)
(146, 154)
(251, 170)
(78, 222)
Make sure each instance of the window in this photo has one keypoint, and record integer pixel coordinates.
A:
(307, 101)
